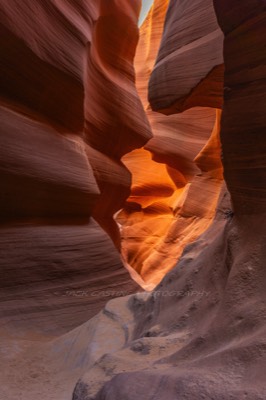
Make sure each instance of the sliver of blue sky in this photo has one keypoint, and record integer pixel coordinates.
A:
(146, 5)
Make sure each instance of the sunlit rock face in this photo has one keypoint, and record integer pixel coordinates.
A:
(115, 122)
(177, 176)
(201, 333)
(69, 111)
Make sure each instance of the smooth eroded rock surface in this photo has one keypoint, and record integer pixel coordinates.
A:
(190, 58)
(200, 334)
(60, 188)
(177, 176)
(244, 119)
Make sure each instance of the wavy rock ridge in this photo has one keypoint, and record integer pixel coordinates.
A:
(167, 208)
(201, 332)
(62, 179)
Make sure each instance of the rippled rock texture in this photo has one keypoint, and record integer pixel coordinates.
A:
(66, 111)
(69, 111)
(201, 333)
(243, 117)
(178, 175)
(189, 62)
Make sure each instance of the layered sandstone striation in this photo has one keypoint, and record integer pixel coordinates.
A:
(69, 111)
(243, 116)
(177, 176)
(201, 332)
(190, 60)
(115, 122)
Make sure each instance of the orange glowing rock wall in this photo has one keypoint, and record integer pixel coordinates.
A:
(115, 122)
(178, 175)
(69, 111)
(201, 333)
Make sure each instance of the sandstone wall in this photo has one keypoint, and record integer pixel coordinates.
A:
(201, 332)
(177, 176)
(69, 111)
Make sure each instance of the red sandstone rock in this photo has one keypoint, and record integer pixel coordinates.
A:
(55, 60)
(202, 330)
(167, 208)
(244, 117)
(115, 122)
(188, 69)
(201, 333)
(43, 45)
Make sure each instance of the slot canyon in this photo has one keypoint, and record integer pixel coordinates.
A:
(133, 200)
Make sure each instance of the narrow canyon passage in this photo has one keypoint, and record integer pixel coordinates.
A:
(177, 176)
(133, 202)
